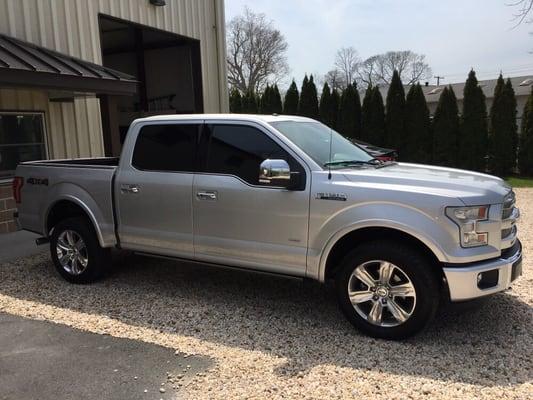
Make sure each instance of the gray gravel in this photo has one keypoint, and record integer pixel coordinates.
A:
(271, 337)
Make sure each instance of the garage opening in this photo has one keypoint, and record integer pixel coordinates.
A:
(167, 66)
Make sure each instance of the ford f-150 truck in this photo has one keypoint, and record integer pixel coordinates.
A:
(284, 195)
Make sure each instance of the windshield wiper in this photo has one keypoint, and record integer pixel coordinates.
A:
(374, 162)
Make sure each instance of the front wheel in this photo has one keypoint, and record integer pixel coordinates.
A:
(387, 290)
(75, 251)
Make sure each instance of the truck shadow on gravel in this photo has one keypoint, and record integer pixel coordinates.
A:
(488, 344)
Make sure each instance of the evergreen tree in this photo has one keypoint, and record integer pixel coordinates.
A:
(292, 99)
(235, 101)
(277, 107)
(347, 121)
(525, 154)
(357, 113)
(418, 140)
(473, 141)
(395, 115)
(334, 104)
(376, 120)
(249, 103)
(304, 93)
(509, 90)
(265, 106)
(325, 105)
(502, 157)
(446, 129)
(308, 106)
(366, 115)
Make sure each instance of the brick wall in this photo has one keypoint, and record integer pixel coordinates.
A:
(7, 208)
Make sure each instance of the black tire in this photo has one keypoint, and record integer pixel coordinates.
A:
(98, 257)
(414, 265)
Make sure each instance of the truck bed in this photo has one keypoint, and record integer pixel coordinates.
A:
(87, 182)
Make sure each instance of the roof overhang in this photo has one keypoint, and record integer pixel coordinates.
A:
(24, 64)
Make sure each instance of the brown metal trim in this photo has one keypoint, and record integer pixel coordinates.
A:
(47, 80)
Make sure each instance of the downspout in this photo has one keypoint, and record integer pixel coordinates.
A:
(219, 24)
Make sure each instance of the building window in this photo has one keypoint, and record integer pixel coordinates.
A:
(21, 139)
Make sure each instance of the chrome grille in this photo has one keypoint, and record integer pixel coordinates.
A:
(510, 215)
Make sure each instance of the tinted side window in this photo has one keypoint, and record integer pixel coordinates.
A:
(170, 147)
(239, 150)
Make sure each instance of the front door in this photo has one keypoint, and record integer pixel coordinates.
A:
(237, 220)
(154, 191)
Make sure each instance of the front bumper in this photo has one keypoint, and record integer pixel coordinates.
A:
(463, 279)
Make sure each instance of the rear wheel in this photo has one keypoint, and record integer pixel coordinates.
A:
(75, 251)
(387, 290)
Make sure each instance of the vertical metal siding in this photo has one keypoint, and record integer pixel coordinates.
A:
(71, 27)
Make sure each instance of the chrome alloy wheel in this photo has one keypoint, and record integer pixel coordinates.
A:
(382, 293)
(72, 252)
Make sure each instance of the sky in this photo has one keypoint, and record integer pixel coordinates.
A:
(454, 35)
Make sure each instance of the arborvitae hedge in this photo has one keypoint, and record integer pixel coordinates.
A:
(334, 105)
(366, 115)
(418, 139)
(473, 141)
(265, 105)
(347, 121)
(308, 106)
(525, 154)
(235, 101)
(446, 129)
(395, 115)
(292, 99)
(324, 104)
(277, 107)
(376, 121)
(250, 103)
(502, 139)
(357, 113)
(509, 90)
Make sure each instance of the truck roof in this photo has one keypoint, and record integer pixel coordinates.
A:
(232, 117)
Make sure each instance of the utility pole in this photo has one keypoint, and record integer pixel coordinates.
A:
(438, 78)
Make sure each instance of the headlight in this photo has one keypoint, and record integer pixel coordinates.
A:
(467, 218)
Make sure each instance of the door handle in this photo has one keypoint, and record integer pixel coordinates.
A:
(206, 195)
(129, 189)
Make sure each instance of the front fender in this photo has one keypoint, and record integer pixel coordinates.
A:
(437, 232)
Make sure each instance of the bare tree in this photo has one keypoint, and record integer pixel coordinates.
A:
(367, 72)
(335, 79)
(524, 8)
(346, 61)
(378, 69)
(256, 52)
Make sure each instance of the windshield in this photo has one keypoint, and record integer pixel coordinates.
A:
(313, 138)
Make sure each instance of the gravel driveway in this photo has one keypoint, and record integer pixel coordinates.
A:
(271, 337)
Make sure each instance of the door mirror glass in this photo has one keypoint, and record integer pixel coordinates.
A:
(275, 173)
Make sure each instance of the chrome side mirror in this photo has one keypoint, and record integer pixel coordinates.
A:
(275, 173)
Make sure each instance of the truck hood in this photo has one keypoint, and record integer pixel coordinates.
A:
(472, 188)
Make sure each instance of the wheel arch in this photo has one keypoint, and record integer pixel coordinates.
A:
(68, 208)
(346, 241)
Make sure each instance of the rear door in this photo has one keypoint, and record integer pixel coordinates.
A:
(154, 190)
(237, 220)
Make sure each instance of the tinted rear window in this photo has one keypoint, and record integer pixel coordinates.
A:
(170, 147)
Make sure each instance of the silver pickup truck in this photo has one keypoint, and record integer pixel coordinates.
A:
(284, 195)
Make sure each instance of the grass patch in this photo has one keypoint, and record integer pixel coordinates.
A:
(519, 181)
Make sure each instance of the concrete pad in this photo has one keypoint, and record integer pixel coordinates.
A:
(19, 244)
(46, 361)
